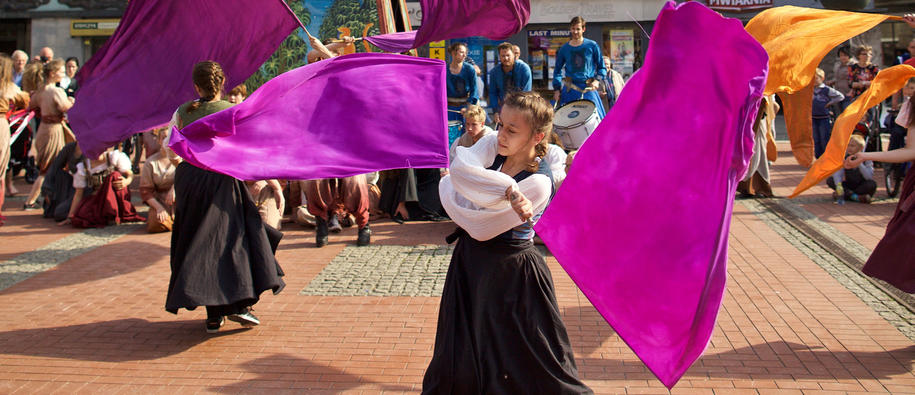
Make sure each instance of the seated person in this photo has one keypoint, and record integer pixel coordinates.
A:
(856, 184)
(323, 198)
(106, 177)
(58, 184)
(157, 180)
(269, 201)
(474, 129)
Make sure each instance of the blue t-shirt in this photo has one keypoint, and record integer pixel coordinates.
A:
(578, 63)
(464, 84)
(502, 82)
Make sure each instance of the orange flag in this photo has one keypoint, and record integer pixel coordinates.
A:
(888, 81)
(797, 39)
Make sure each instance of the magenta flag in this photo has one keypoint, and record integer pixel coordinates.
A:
(447, 19)
(649, 249)
(143, 72)
(340, 117)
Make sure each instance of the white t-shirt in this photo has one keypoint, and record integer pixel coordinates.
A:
(903, 118)
(556, 157)
(117, 159)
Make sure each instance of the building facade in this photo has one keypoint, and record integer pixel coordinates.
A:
(70, 27)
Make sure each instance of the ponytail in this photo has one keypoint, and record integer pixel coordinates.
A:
(209, 79)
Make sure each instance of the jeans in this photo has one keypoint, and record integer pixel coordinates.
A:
(822, 129)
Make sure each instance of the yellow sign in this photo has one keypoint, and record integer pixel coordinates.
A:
(437, 44)
(437, 53)
(93, 27)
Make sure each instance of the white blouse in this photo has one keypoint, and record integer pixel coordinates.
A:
(118, 160)
(474, 197)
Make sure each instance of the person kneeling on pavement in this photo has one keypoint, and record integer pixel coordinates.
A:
(855, 184)
(106, 177)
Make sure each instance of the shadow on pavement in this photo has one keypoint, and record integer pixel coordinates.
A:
(280, 371)
(131, 339)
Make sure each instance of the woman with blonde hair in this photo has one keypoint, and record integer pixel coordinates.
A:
(53, 103)
(10, 97)
(499, 327)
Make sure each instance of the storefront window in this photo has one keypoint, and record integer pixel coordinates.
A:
(623, 45)
(542, 46)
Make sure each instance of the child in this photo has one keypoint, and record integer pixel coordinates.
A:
(499, 327)
(474, 126)
(823, 98)
(855, 184)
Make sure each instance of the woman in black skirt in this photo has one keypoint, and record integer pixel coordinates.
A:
(499, 328)
(222, 255)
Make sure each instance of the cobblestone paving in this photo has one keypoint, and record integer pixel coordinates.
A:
(383, 270)
(33, 262)
(888, 308)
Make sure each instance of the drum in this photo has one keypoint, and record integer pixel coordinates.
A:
(574, 122)
(455, 130)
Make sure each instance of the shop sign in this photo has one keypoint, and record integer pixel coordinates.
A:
(93, 27)
(437, 53)
(739, 5)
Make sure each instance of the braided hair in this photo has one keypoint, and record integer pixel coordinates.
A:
(209, 78)
(539, 115)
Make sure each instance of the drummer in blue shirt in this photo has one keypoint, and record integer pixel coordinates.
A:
(462, 82)
(581, 62)
(507, 77)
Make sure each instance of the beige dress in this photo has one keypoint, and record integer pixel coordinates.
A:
(266, 205)
(10, 97)
(156, 180)
(50, 138)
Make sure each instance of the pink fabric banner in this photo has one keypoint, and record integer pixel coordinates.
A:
(447, 19)
(143, 72)
(339, 117)
(649, 249)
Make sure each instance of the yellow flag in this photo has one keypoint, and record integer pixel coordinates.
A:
(888, 81)
(796, 40)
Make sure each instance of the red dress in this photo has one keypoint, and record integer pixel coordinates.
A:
(106, 205)
(893, 260)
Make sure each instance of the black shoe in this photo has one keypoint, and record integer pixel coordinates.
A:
(365, 236)
(213, 324)
(333, 224)
(320, 232)
(245, 318)
(31, 206)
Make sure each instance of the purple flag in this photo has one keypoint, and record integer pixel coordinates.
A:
(340, 117)
(143, 73)
(447, 19)
(649, 249)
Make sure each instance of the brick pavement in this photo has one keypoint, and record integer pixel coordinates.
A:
(96, 324)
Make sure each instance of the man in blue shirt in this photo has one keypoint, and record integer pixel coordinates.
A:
(508, 76)
(581, 62)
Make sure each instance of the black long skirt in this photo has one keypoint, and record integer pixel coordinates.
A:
(418, 188)
(222, 253)
(499, 328)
